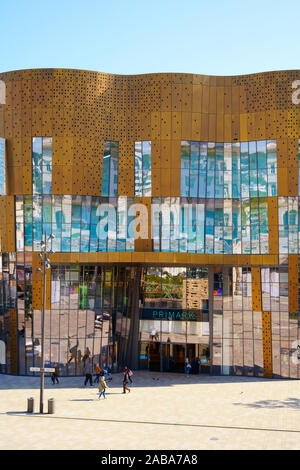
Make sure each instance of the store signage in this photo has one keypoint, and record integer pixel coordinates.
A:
(171, 314)
(39, 369)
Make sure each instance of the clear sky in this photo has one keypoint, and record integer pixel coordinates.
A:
(215, 37)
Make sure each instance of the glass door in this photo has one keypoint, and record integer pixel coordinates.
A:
(168, 363)
(173, 357)
(154, 356)
(179, 357)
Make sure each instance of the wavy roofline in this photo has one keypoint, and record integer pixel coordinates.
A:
(53, 69)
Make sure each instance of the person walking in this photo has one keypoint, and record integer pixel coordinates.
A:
(102, 387)
(88, 374)
(73, 350)
(97, 372)
(54, 375)
(129, 373)
(125, 382)
(187, 367)
(86, 356)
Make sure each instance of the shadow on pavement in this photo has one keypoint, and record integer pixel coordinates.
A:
(140, 379)
(82, 399)
(293, 403)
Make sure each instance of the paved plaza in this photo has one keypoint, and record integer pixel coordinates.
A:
(162, 411)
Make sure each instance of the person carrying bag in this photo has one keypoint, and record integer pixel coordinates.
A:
(128, 373)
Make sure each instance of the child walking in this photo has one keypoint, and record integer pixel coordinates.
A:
(102, 387)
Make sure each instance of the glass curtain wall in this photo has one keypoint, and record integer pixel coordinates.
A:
(288, 225)
(110, 169)
(90, 315)
(221, 226)
(10, 331)
(237, 329)
(79, 223)
(172, 293)
(228, 170)
(223, 207)
(88, 319)
(41, 165)
(142, 168)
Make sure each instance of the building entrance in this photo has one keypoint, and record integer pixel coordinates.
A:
(173, 357)
(174, 318)
(153, 353)
(170, 357)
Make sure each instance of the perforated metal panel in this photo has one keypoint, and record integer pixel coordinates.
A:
(267, 344)
(256, 289)
(81, 109)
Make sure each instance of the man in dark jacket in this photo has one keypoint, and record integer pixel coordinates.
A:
(54, 375)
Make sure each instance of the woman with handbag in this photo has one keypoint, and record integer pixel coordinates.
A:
(128, 373)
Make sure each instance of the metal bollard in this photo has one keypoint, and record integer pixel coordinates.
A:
(30, 405)
(51, 406)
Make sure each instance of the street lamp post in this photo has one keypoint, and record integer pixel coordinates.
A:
(46, 264)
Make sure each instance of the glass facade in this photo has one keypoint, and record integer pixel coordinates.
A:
(79, 223)
(89, 315)
(142, 168)
(171, 287)
(288, 226)
(110, 169)
(42, 165)
(229, 170)
(205, 266)
(203, 313)
(174, 320)
(237, 329)
(221, 226)
(183, 225)
(237, 338)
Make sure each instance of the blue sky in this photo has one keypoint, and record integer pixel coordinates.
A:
(220, 37)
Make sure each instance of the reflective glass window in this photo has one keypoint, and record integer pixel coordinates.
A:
(42, 165)
(142, 168)
(110, 169)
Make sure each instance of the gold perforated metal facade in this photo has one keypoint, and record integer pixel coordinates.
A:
(80, 110)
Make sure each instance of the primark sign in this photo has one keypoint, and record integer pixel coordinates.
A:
(178, 314)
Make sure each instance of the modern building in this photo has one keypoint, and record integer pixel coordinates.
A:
(174, 204)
